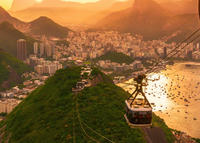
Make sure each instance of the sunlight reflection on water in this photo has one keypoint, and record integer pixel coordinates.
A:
(156, 92)
(175, 96)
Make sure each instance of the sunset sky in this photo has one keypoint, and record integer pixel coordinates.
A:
(7, 3)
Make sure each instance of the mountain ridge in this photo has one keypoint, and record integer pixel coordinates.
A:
(74, 13)
(147, 18)
(141, 18)
(45, 26)
(39, 26)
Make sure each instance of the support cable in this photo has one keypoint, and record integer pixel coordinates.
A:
(176, 49)
(81, 125)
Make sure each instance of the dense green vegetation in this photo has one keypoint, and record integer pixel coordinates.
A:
(3, 114)
(116, 57)
(45, 26)
(105, 104)
(197, 140)
(7, 61)
(46, 115)
(9, 36)
(4, 73)
(52, 113)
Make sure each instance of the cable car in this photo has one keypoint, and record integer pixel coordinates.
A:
(138, 108)
(79, 85)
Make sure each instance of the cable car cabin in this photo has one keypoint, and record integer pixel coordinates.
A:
(138, 112)
(86, 83)
(80, 85)
(138, 108)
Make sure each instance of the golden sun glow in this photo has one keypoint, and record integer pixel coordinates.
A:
(39, 1)
(155, 91)
(6, 4)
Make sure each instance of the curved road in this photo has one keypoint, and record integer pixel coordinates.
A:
(154, 135)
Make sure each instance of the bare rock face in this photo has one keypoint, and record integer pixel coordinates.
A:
(21, 4)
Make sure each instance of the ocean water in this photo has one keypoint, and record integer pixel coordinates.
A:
(175, 96)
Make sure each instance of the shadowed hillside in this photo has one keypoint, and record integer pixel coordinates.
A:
(45, 26)
(5, 16)
(149, 19)
(11, 70)
(9, 36)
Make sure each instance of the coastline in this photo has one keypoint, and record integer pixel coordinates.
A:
(176, 107)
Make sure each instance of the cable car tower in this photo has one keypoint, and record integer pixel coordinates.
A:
(138, 108)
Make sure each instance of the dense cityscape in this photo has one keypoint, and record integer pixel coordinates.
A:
(51, 55)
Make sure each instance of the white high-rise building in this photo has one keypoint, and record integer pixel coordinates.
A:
(198, 47)
(35, 46)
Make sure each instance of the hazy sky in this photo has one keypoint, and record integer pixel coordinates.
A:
(7, 3)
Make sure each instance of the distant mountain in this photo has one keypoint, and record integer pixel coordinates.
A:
(40, 26)
(67, 13)
(63, 15)
(9, 36)
(11, 70)
(145, 17)
(46, 26)
(117, 6)
(5, 16)
(149, 19)
(52, 112)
